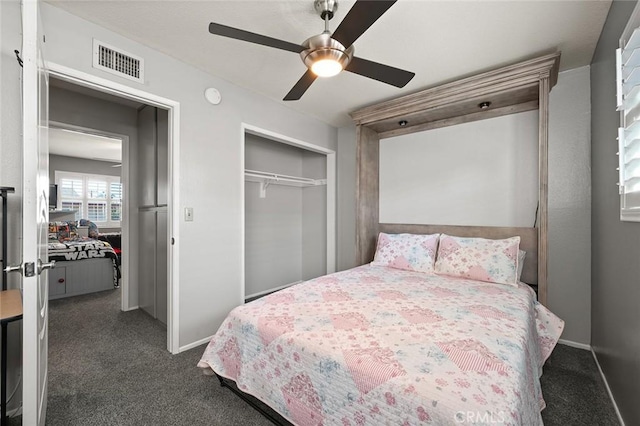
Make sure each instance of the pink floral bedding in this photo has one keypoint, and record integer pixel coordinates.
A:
(375, 345)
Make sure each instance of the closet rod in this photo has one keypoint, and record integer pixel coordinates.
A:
(276, 178)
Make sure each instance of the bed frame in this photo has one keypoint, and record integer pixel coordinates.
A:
(258, 405)
(512, 89)
(76, 277)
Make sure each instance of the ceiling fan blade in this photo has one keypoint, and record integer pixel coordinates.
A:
(358, 20)
(235, 33)
(384, 73)
(301, 86)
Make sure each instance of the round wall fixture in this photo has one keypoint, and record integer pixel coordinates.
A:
(212, 96)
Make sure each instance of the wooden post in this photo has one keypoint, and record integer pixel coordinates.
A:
(367, 196)
(543, 172)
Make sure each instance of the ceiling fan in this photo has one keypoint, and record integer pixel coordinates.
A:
(327, 54)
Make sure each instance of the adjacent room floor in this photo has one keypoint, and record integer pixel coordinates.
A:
(108, 367)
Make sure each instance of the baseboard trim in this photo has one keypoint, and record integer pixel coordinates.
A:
(261, 293)
(194, 344)
(131, 308)
(575, 344)
(606, 385)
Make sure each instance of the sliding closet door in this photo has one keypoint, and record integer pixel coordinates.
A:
(161, 266)
(153, 136)
(147, 262)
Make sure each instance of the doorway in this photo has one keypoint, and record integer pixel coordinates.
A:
(168, 234)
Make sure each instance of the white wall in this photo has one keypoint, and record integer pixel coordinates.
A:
(479, 173)
(569, 201)
(210, 161)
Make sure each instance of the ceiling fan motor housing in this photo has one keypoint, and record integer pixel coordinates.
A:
(326, 8)
(322, 47)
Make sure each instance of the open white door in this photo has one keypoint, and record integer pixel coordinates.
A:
(35, 217)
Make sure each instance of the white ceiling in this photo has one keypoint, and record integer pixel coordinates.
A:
(438, 40)
(84, 145)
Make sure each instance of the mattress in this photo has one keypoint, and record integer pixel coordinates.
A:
(376, 345)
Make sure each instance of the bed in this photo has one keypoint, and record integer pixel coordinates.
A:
(83, 265)
(380, 344)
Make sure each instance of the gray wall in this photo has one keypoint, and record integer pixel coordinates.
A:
(11, 171)
(615, 290)
(568, 202)
(569, 234)
(273, 225)
(80, 165)
(314, 217)
(286, 232)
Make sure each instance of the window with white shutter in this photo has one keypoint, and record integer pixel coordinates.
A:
(97, 198)
(628, 103)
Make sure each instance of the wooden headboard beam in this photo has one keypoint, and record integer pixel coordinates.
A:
(515, 88)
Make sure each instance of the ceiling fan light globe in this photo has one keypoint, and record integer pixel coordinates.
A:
(326, 67)
(324, 56)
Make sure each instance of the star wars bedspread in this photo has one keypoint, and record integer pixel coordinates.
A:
(85, 248)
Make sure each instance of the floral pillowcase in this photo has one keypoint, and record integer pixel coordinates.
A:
(407, 251)
(479, 259)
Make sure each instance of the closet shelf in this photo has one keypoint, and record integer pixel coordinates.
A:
(278, 179)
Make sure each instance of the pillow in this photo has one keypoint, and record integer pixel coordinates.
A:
(521, 255)
(407, 251)
(494, 261)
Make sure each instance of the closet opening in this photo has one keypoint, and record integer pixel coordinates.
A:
(288, 213)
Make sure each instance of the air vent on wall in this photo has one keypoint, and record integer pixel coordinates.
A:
(117, 61)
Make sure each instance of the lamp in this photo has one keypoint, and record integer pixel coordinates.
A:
(324, 56)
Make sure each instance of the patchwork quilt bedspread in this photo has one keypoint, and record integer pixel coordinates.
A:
(375, 345)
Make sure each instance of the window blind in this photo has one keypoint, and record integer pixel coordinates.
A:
(628, 100)
(97, 198)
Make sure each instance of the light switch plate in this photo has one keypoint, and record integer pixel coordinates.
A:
(188, 214)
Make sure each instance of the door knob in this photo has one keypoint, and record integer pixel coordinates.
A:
(15, 268)
(43, 266)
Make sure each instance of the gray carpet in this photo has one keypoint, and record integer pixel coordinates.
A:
(108, 367)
